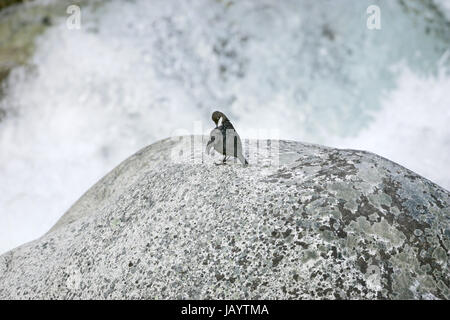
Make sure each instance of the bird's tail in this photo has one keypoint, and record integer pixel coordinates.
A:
(243, 160)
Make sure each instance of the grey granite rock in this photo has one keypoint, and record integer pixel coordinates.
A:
(315, 222)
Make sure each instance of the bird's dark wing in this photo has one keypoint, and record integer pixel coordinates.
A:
(227, 125)
(224, 127)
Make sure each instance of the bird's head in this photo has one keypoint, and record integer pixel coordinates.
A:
(216, 116)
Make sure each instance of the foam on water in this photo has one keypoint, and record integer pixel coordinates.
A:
(139, 71)
(412, 128)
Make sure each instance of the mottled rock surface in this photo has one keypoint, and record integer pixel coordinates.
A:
(322, 223)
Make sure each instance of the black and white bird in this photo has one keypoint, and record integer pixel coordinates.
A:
(224, 139)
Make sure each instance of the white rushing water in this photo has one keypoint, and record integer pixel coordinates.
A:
(137, 71)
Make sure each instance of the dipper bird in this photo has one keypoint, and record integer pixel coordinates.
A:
(224, 139)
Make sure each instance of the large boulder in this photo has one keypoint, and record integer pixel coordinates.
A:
(301, 221)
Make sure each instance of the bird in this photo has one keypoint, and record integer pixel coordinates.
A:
(224, 139)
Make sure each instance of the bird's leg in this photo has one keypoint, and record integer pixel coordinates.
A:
(223, 161)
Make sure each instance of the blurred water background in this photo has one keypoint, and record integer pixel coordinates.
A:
(75, 103)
